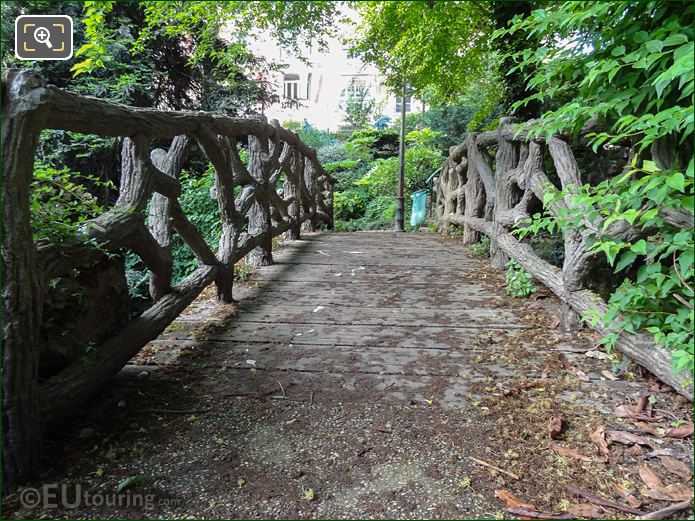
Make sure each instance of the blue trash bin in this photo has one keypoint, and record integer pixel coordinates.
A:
(417, 217)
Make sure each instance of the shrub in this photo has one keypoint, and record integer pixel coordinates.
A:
(433, 227)
(455, 231)
(481, 248)
(349, 204)
(519, 282)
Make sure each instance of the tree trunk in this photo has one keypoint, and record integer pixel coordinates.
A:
(22, 104)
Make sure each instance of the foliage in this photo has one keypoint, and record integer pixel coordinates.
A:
(243, 271)
(61, 204)
(420, 161)
(349, 204)
(314, 137)
(628, 67)
(519, 282)
(363, 224)
(455, 231)
(360, 106)
(202, 211)
(433, 227)
(481, 248)
(433, 46)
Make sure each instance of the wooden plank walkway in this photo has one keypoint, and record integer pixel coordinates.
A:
(365, 316)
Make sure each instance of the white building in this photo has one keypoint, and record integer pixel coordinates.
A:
(317, 91)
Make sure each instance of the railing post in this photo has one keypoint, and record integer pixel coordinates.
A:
(506, 159)
(292, 190)
(22, 104)
(310, 181)
(259, 214)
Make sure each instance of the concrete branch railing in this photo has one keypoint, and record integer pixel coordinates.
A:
(142, 220)
(492, 200)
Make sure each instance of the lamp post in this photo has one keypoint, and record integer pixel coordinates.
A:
(400, 199)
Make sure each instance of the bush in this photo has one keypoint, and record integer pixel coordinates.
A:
(481, 248)
(363, 224)
(433, 227)
(349, 204)
(519, 282)
(455, 231)
(381, 208)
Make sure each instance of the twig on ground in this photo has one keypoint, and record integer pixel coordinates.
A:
(282, 388)
(602, 502)
(666, 512)
(525, 512)
(486, 464)
(311, 399)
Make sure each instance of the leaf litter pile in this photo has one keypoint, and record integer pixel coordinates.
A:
(570, 432)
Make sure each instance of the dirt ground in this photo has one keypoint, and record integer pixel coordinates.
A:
(543, 421)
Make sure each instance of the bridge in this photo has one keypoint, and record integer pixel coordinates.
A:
(328, 318)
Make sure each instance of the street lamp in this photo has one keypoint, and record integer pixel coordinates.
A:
(400, 199)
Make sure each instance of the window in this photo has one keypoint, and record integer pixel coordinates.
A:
(398, 104)
(291, 86)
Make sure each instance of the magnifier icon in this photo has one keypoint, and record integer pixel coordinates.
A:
(43, 35)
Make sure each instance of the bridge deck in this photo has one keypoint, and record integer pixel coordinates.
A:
(369, 368)
(384, 315)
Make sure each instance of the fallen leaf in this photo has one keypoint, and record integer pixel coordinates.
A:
(684, 431)
(512, 501)
(585, 510)
(546, 372)
(599, 439)
(555, 427)
(562, 451)
(627, 438)
(627, 496)
(676, 492)
(676, 467)
(651, 429)
(650, 479)
(642, 403)
(555, 322)
(609, 375)
(635, 451)
(665, 452)
(581, 375)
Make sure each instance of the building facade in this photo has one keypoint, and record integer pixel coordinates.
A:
(317, 90)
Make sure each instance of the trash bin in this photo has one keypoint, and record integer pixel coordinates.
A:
(418, 215)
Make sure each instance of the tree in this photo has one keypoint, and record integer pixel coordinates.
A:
(433, 46)
(625, 70)
(360, 106)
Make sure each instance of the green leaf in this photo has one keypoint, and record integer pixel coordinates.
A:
(639, 247)
(626, 259)
(677, 181)
(129, 482)
(654, 45)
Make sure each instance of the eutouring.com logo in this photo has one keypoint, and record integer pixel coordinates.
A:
(53, 496)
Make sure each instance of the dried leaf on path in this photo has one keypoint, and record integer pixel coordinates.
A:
(585, 510)
(512, 501)
(650, 479)
(676, 467)
(627, 438)
(609, 375)
(598, 437)
(555, 428)
(562, 451)
(684, 431)
(627, 496)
